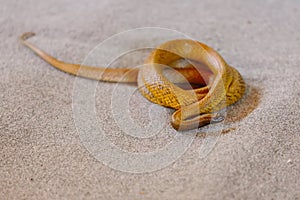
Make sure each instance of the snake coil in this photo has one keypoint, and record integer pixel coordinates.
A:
(221, 84)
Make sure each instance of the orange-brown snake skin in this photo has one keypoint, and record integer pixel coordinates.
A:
(219, 85)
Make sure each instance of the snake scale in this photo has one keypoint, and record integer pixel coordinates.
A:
(219, 85)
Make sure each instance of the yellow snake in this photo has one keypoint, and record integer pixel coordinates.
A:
(220, 84)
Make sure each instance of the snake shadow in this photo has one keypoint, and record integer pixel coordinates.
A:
(239, 111)
(246, 105)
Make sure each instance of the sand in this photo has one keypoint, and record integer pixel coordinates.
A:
(48, 153)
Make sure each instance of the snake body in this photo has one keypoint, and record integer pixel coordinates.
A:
(221, 84)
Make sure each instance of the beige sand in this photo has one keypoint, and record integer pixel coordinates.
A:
(42, 156)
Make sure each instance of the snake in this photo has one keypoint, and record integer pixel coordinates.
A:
(214, 85)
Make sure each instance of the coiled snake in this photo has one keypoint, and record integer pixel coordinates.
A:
(221, 84)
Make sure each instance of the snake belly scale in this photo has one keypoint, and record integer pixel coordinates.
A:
(221, 84)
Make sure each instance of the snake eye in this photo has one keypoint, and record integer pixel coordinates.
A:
(217, 119)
